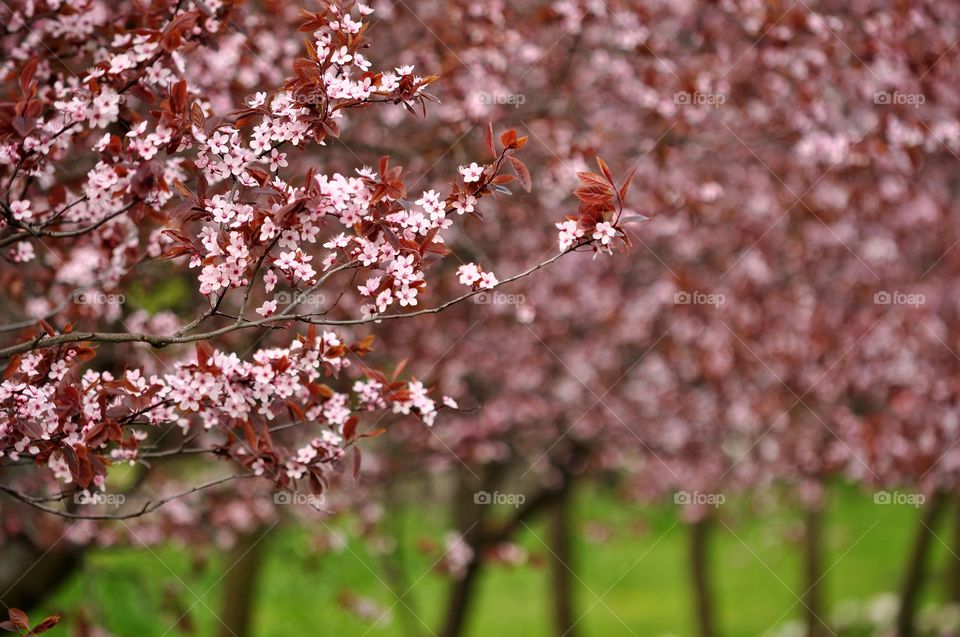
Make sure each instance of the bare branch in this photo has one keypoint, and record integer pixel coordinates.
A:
(148, 507)
(158, 341)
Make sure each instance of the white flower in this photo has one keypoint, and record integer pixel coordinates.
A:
(604, 232)
(471, 173)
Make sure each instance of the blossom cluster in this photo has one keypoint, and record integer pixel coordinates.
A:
(76, 422)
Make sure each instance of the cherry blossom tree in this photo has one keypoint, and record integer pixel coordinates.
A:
(145, 147)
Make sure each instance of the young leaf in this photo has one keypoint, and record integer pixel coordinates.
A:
(45, 625)
(605, 170)
(26, 75)
(522, 173)
(19, 618)
(356, 462)
(626, 185)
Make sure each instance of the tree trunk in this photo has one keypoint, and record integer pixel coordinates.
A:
(917, 566)
(240, 581)
(469, 515)
(460, 601)
(700, 572)
(953, 586)
(29, 575)
(813, 571)
(562, 574)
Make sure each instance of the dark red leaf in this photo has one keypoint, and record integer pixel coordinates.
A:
(19, 618)
(356, 462)
(26, 75)
(522, 172)
(45, 625)
(605, 170)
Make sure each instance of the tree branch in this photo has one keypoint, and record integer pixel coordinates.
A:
(148, 507)
(157, 341)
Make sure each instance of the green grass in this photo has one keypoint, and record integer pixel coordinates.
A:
(630, 564)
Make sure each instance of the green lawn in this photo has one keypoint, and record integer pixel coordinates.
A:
(631, 564)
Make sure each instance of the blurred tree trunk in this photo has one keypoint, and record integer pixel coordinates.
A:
(813, 570)
(953, 573)
(700, 574)
(240, 583)
(29, 575)
(469, 516)
(460, 600)
(917, 566)
(478, 532)
(561, 540)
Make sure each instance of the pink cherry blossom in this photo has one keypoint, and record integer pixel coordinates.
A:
(471, 173)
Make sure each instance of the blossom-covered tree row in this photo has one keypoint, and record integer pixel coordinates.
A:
(126, 160)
